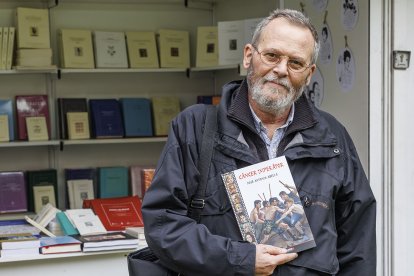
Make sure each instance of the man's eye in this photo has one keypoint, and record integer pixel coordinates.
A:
(296, 63)
(271, 55)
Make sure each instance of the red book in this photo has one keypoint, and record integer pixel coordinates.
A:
(117, 213)
(30, 106)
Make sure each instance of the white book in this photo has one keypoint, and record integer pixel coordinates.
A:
(6, 253)
(5, 42)
(81, 189)
(46, 214)
(10, 48)
(86, 221)
(231, 42)
(110, 49)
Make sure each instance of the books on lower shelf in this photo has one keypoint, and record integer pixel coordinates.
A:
(113, 182)
(85, 221)
(59, 244)
(83, 173)
(110, 49)
(13, 190)
(284, 223)
(108, 241)
(66, 225)
(46, 214)
(17, 245)
(78, 191)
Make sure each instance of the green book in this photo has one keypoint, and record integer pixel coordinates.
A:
(113, 182)
(38, 178)
(66, 225)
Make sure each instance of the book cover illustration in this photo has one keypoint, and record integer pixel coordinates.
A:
(267, 206)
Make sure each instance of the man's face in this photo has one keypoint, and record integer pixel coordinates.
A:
(275, 88)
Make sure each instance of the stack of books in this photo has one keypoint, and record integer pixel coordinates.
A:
(108, 241)
(137, 232)
(24, 244)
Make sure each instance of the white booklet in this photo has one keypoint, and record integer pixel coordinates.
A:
(110, 50)
(86, 221)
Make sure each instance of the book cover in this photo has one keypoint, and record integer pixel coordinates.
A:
(32, 28)
(46, 214)
(4, 128)
(86, 222)
(137, 117)
(6, 108)
(83, 173)
(283, 221)
(20, 252)
(34, 58)
(67, 226)
(80, 190)
(142, 49)
(76, 49)
(78, 125)
(113, 182)
(59, 244)
(18, 241)
(118, 213)
(164, 109)
(147, 174)
(110, 49)
(208, 99)
(66, 105)
(106, 118)
(13, 192)
(135, 176)
(10, 48)
(107, 239)
(47, 177)
(230, 42)
(43, 195)
(31, 106)
(5, 43)
(207, 46)
(174, 48)
(37, 128)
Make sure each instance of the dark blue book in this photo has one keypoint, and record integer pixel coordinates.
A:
(106, 118)
(137, 116)
(6, 107)
(82, 173)
(113, 182)
(66, 105)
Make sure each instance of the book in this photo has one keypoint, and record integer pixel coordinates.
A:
(59, 244)
(117, 213)
(164, 109)
(106, 118)
(147, 174)
(142, 49)
(32, 28)
(83, 173)
(208, 99)
(31, 106)
(46, 177)
(207, 46)
(17, 226)
(6, 108)
(137, 232)
(1, 47)
(46, 214)
(66, 105)
(85, 221)
(174, 46)
(136, 179)
(76, 48)
(5, 43)
(13, 192)
(21, 252)
(66, 225)
(284, 223)
(110, 49)
(4, 128)
(79, 190)
(108, 241)
(35, 58)
(78, 125)
(18, 241)
(38, 226)
(43, 195)
(113, 182)
(37, 128)
(230, 42)
(137, 117)
(10, 48)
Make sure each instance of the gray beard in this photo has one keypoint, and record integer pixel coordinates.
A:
(270, 105)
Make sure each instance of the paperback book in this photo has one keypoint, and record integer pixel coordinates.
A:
(59, 244)
(12, 192)
(108, 241)
(282, 221)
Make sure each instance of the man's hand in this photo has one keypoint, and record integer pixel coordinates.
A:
(269, 257)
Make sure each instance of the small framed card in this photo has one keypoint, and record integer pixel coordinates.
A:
(37, 128)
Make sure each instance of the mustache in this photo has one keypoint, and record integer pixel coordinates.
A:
(284, 82)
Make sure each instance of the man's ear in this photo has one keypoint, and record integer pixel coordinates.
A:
(247, 55)
(311, 71)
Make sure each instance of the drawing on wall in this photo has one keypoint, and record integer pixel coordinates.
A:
(315, 88)
(325, 52)
(349, 14)
(345, 69)
(320, 5)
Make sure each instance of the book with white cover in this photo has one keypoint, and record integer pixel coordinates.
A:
(79, 189)
(10, 48)
(207, 46)
(142, 49)
(110, 49)
(86, 221)
(174, 48)
(76, 48)
(46, 214)
(230, 42)
(32, 28)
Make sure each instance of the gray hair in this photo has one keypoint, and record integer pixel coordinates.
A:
(293, 16)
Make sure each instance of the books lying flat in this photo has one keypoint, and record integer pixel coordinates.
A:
(17, 226)
(6, 108)
(174, 48)
(85, 221)
(76, 49)
(207, 46)
(137, 232)
(137, 116)
(164, 110)
(284, 223)
(8, 253)
(40, 58)
(117, 213)
(18, 241)
(110, 49)
(59, 244)
(109, 241)
(106, 118)
(13, 192)
(66, 105)
(112, 182)
(32, 28)
(142, 50)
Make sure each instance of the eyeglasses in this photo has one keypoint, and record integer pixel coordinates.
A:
(272, 59)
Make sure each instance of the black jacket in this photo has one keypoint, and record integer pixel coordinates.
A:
(333, 187)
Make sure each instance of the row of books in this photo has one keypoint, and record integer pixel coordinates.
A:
(7, 35)
(22, 191)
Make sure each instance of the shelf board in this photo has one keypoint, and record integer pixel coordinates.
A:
(29, 71)
(115, 141)
(215, 68)
(123, 70)
(16, 144)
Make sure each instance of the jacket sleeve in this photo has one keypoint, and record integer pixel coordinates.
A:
(355, 220)
(179, 242)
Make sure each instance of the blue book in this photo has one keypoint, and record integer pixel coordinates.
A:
(113, 182)
(137, 116)
(6, 107)
(106, 118)
(66, 225)
(83, 173)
